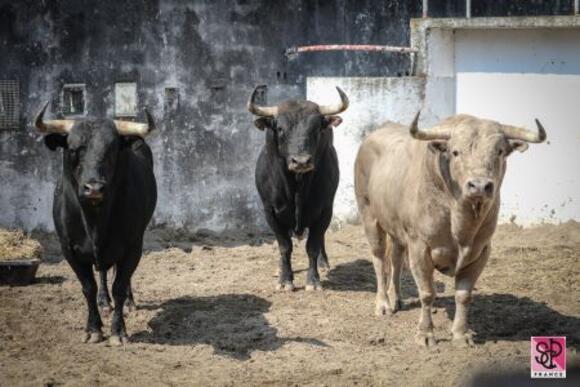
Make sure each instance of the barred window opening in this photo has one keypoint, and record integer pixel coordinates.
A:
(9, 104)
(73, 100)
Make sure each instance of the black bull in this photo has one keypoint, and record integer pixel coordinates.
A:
(297, 177)
(103, 202)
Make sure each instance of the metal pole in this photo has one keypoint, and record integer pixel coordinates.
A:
(576, 7)
(348, 47)
(426, 8)
(468, 8)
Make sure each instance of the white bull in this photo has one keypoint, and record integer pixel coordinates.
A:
(434, 195)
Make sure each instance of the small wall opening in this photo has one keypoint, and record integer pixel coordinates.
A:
(171, 102)
(9, 104)
(73, 99)
(125, 99)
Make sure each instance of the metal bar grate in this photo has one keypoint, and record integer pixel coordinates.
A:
(9, 104)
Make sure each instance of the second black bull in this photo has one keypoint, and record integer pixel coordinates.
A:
(297, 177)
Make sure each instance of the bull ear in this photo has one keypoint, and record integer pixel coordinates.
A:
(438, 146)
(54, 141)
(333, 121)
(264, 123)
(519, 145)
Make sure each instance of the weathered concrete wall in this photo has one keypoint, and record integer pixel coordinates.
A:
(214, 52)
(374, 101)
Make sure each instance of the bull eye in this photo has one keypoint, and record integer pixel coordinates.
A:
(74, 155)
(455, 153)
(500, 152)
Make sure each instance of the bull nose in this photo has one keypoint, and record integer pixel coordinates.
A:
(300, 163)
(93, 190)
(480, 187)
(301, 160)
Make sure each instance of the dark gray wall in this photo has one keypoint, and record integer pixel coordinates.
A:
(214, 51)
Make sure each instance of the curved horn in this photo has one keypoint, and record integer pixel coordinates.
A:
(440, 132)
(263, 111)
(328, 110)
(52, 126)
(516, 133)
(129, 128)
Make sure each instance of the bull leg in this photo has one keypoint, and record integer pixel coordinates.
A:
(87, 279)
(314, 249)
(396, 260)
(130, 302)
(422, 269)
(286, 278)
(103, 298)
(464, 283)
(125, 270)
(286, 275)
(323, 264)
(377, 241)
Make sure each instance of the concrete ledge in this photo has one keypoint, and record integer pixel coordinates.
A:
(420, 29)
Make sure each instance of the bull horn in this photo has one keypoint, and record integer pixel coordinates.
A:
(263, 111)
(52, 126)
(328, 110)
(129, 128)
(516, 133)
(436, 133)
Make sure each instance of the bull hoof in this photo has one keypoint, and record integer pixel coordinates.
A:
(106, 310)
(93, 337)
(286, 286)
(463, 340)
(323, 266)
(117, 341)
(425, 339)
(383, 308)
(313, 287)
(130, 307)
(397, 305)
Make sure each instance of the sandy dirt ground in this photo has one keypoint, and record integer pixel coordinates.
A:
(208, 314)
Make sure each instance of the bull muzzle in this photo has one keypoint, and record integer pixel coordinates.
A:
(480, 188)
(300, 163)
(93, 191)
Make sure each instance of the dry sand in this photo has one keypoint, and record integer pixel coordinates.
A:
(208, 314)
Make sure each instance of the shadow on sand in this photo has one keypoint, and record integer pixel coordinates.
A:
(359, 276)
(160, 238)
(505, 317)
(495, 317)
(233, 324)
(50, 280)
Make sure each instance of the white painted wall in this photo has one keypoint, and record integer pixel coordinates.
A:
(510, 75)
(514, 76)
(372, 102)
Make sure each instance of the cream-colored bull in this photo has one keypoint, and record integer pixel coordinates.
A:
(434, 196)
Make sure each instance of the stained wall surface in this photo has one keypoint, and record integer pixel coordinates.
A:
(194, 64)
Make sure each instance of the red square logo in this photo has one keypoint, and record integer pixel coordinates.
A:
(548, 357)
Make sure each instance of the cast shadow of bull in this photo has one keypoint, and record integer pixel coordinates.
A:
(506, 317)
(233, 324)
(359, 276)
(495, 317)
